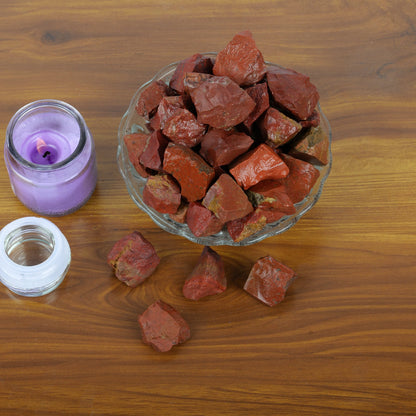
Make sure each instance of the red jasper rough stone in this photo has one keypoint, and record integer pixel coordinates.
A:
(277, 128)
(201, 221)
(183, 128)
(269, 280)
(135, 144)
(162, 327)
(133, 259)
(152, 155)
(312, 147)
(193, 80)
(242, 228)
(189, 169)
(150, 98)
(207, 278)
(221, 147)
(301, 179)
(260, 96)
(221, 103)
(240, 60)
(162, 193)
(257, 165)
(271, 214)
(293, 91)
(195, 63)
(167, 108)
(272, 195)
(180, 214)
(313, 121)
(227, 200)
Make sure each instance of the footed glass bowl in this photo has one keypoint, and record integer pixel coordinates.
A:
(133, 123)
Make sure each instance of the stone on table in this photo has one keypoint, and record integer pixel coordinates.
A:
(133, 259)
(162, 327)
(207, 278)
(269, 280)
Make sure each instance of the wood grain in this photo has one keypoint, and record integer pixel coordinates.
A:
(344, 340)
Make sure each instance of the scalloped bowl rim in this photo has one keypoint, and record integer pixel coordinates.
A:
(173, 227)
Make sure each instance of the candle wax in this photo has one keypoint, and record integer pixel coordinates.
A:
(45, 147)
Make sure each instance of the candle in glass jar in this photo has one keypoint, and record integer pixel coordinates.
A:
(50, 157)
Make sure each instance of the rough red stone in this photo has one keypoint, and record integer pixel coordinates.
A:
(221, 103)
(162, 193)
(227, 200)
(257, 165)
(242, 228)
(271, 194)
(162, 327)
(150, 98)
(193, 79)
(277, 128)
(195, 63)
(312, 147)
(135, 144)
(133, 259)
(312, 121)
(152, 155)
(180, 214)
(269, 280)
(183, 128)
(167, 108)
(201, 221)
(293, 91)
(271, 215)
(240, 60)
(301, 179)
(154, 123)
(260, 96)
(189, 169)
(221, 147)
(207, 278)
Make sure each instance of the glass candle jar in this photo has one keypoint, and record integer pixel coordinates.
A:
(50, 157)
(34, 256)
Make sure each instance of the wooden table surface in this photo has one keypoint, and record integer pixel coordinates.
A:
(343, 342)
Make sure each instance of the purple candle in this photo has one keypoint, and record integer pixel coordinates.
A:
(50, 157)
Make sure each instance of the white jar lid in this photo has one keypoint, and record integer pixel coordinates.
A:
(34, 256)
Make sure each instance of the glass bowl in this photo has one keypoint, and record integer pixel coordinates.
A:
(131, 122)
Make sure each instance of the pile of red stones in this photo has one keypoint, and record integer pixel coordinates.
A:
(134, 259)
(233, 143)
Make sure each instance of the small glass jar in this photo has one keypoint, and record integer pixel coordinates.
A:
(34, 256)
(50, 157)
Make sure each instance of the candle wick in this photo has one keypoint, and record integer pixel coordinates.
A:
(46, 154)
